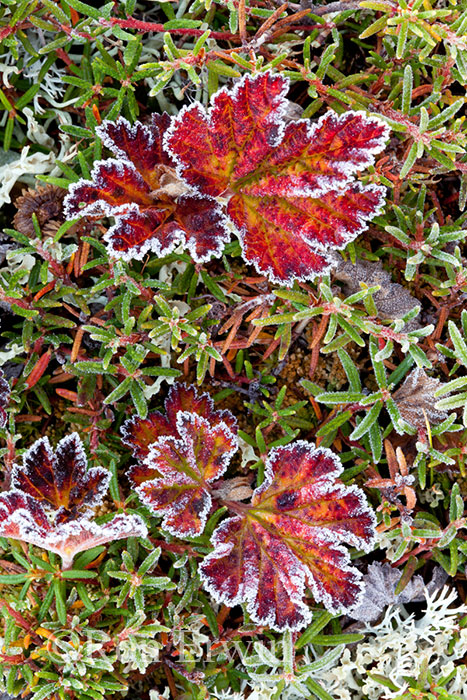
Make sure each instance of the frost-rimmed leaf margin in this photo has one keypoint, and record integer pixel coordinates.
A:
(168, 422)
(23, 476)
(24, 518)
(160, 229)
(328, 261)
(318, 252)
(172, 478)
(300, 575)
(170, 232)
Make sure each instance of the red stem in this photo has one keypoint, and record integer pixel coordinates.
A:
(132, 23)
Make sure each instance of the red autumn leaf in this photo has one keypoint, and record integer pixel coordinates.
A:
(139, 433)
(22, 517)
(287, 189)
(153, 209)
(141, 144)
(291, 191)
(60, 480)
(181, 469)
(52, 498)
(291, 537)
(38, 369)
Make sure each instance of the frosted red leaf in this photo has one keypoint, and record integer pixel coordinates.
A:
(153, 209)
(181, 469)
(291, 537)
(291, 188)
(22, 517)
(141, 144)
(287, 189)
(60, 480)
(139, 433)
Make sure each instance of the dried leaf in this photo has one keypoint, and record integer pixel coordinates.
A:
(46, 203)
(380, 585)
(289, 538)
(416, 398)
(392, 300)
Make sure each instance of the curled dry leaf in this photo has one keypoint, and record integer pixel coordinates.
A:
(415, 399)
(286, 187)
(290, 537)
(46, 203)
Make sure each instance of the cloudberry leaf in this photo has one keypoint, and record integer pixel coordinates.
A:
(153, 209)
(116, 185)
(4, 398)
(61, 480)
(140, 433)
(291, 191)
(141, 144)
(133, 233)
(22, 517)
(291, 537)
(183, 468)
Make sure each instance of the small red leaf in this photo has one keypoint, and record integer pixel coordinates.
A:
(60, 480)
(184, 467)
(38, 369)
(289, 538)
(52, 497)
(154, 210)
(140, 433)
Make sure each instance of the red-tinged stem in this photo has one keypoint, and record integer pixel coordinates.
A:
(71, 31)
(142, 27)
(7, 30)
(21, 621)
(13, 300)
